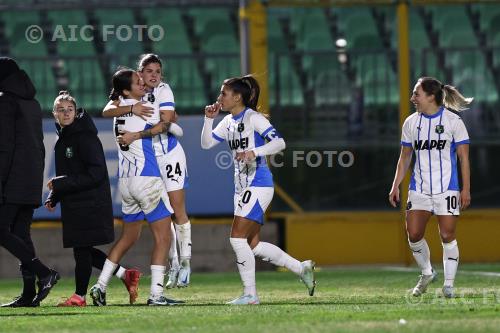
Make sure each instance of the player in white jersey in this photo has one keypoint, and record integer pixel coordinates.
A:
(172, 162)
(436, 136)
(251, 138)
(143, 194)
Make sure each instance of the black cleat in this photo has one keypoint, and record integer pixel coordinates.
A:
(45, 285)
(22, 302)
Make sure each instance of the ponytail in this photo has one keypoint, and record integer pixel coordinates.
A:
(248, 87)
(114, 95)
(454, 100)
(444, 94)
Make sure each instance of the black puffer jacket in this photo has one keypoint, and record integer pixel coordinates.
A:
(82, 185)
(22, 154)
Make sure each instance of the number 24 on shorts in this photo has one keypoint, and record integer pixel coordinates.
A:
(176, 171)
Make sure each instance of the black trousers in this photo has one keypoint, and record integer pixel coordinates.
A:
(85, 258)
(15, 237)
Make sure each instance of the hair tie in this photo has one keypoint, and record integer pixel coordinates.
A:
(442, 86)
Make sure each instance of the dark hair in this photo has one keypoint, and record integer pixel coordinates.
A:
(64, 95)
(248, 87)
(122, 80)
(147, 59)
(444, 94)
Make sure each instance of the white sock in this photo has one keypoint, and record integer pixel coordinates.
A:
(121, 273)
(245, 261)
(450, 262)
(422, 255)
(184, 238)
(172, 253)
(106, 274)
(276, 256)
(157, 279)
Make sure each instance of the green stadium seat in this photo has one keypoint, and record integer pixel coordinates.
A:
(86, 82)
(16, 21)
(202, 18)
(487, 13)
(40, 72)
(221, 44)
(290, 91)
(126, 51)
(183, 76)
(175, 40)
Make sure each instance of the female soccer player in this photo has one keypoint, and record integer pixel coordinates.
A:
(82, 187)
(246, 132)
(437, 136)
(171, 160)
(143, 193)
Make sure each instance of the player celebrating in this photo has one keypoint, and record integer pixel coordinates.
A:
(437, 136)
(247, 131)
(171, 160)
(143, 194)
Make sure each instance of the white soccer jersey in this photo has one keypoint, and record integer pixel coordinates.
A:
(434, 140)
(247, 131)
(161, 98)
(139, 159)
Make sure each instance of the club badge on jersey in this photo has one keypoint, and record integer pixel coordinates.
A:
(69, 152)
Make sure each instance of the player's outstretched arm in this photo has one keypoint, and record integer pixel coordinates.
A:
(463, 156)
(401, 169)
(112, 109)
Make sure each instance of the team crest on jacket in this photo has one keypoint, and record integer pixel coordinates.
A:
(439, 129)
(69, 152)
(241, 127)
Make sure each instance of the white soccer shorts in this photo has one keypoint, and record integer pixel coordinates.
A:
(173, 169)
(252, 202)
(144, 198)
(446, 203)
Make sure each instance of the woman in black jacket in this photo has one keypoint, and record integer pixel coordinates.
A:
(82, 186)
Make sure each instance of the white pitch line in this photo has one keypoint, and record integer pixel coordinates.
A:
(409, 269)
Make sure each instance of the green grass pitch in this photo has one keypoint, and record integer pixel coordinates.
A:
(362, 299)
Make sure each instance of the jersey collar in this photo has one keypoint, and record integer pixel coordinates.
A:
(240, 115)
(437, 114)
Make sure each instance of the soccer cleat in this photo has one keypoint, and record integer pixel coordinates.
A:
(131, 282)
(21, 302)
(448, 292)
(45, 285)
(184, 274)
(173, 274)
(245, 300)
(307, 275)
(98, 296)
(423, 283)
(162, 301)
(74, 300)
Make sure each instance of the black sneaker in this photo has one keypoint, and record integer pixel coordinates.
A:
(45, 285)
(21, 302)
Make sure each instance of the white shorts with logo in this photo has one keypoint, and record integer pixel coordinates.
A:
(252, 202)
(173, 169)
(144, 198)
(446, 203)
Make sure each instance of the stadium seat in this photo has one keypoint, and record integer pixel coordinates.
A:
(40, 72)
(175, 40)
(74, 45)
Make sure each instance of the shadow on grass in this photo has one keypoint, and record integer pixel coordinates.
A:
(44, 314)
